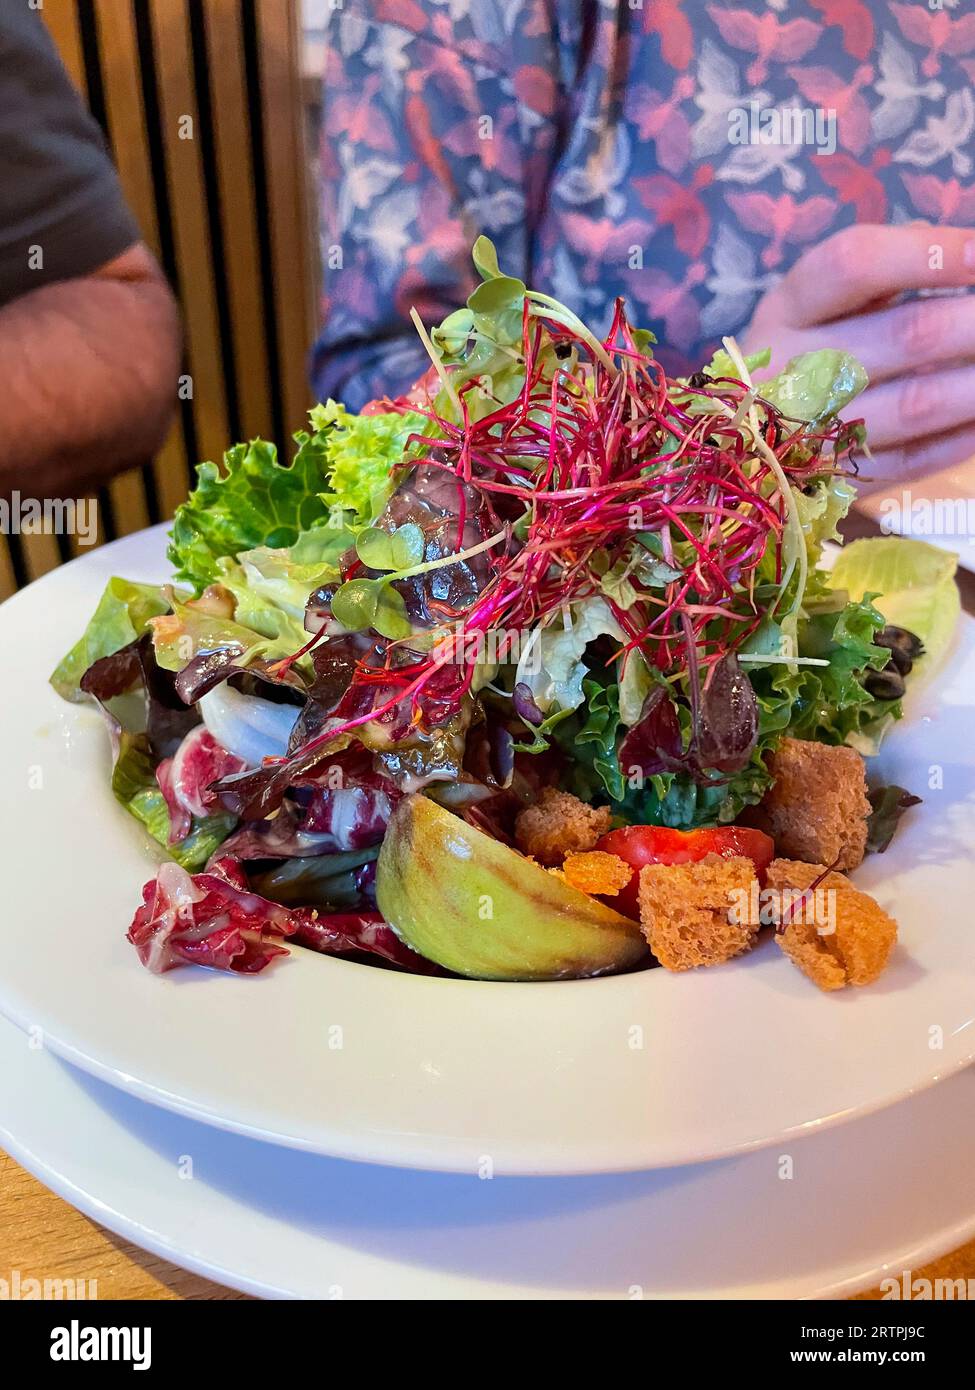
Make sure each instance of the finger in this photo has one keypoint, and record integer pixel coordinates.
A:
(861, 264)
(924, 333)
(895, 466)
(916, 406)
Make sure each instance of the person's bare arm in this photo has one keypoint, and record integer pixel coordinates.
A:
(89, 371)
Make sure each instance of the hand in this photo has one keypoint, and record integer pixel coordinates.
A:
(920, 356)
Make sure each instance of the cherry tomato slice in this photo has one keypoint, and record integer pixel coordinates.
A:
(658, 844)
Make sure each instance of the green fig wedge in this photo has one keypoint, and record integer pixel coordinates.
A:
(481, 909)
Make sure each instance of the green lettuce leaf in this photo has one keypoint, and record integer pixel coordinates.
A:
(554, 669)
(828, 703)
(188, 631)
(677, 801)
(914, 585)
(815, 385)
(595, 742)
(256, 501)
(122, 615)
(286, 578)
(722, 365)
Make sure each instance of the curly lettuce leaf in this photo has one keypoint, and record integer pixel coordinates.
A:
(340, 475)
(359, 456)
(821, 507)
(595, 742)
(677, 801)
(122, 616)
(255, 501)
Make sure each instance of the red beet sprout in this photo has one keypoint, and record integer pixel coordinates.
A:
(595, 458)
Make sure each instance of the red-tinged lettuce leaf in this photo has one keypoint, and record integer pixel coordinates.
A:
(889, 804)
(727, 729)
(166, 720)
(334, 662)
(148, 724)
(258, 676)
(654, 744)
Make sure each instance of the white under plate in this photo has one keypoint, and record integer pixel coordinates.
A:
(589, 1076)
(866, 1201)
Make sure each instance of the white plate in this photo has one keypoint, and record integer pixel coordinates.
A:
(452, 1074)
(866, 1200)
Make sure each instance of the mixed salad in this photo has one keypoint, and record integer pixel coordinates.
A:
(549, 570)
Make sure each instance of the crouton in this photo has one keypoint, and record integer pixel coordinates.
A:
(700, 913)
(845, 940)
(597, 872)
(559, 824)
(818, 805)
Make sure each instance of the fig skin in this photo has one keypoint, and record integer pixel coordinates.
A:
(482, 910)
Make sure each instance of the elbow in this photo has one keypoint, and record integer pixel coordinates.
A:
(155, 374)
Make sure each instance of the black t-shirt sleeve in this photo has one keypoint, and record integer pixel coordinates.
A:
(58, 190)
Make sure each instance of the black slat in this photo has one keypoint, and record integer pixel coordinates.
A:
(157, 161)
(17, 562)
(218, 258)
(252, 68)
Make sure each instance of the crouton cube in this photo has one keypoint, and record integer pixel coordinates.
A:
(700, 913)
(818, 806)
(837, 935)
(559, 824)
(597, 872)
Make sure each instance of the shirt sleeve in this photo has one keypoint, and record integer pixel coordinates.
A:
(62, 213)
(422, 151)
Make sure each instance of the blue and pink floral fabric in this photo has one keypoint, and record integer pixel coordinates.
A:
(591, 140)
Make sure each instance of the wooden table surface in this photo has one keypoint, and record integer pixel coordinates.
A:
(42, 1236)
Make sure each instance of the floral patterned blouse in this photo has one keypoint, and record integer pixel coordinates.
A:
(684, 153)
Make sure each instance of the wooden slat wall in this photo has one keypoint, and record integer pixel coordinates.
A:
(225, 211)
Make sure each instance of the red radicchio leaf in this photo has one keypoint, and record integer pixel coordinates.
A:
(207, 919)
(213, 919)
(185, 778)
(342, 932)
